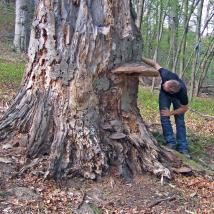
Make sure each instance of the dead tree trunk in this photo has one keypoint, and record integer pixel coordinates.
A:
(77, 114)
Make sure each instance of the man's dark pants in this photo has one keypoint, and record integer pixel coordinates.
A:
(164, 103)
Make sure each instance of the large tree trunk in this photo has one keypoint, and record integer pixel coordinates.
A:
(71, 109)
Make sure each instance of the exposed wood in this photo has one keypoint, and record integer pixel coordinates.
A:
(138, 68)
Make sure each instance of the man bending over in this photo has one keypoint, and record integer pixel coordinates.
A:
(173, 91)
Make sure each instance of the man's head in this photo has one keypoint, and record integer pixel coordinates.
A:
(172, 86)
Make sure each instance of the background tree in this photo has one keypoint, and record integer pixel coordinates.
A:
(204, 66)
(161, 17)
(24, 14)
(197, 48)
(177, 45)
(140, 11)
(183, 44)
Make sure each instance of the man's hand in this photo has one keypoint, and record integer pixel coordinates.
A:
(151, 62)
(166, 113)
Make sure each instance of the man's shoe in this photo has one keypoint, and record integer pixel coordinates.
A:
(186, 154)
(171, 146)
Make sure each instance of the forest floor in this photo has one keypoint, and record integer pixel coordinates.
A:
(186, 193)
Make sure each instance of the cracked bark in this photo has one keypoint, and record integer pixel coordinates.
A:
(74, 111)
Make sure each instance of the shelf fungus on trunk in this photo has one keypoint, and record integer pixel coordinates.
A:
(136, 68)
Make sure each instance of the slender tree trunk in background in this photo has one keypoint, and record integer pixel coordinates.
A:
(183, 48)
(161, 17)
(175, 62)
(30, 15)
(200, 71)
(71, 110)
(23, 21)
(174, 32)
(139, 20)
(140, 10)
(20, 25)
(197, 49)
(170, 47)
(206, 23)
(148, 29)
(4, 2)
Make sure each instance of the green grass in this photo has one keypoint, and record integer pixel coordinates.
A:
(148, 99)
(11, 72)
(203, 105)
(95, 209)
(198, 142)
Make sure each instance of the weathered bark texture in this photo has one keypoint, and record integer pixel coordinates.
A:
(77, 114)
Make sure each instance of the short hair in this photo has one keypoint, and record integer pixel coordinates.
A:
(174, 86)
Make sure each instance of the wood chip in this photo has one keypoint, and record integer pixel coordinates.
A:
(117, 136)
(6, 160)
(7, 146)
(182, 170)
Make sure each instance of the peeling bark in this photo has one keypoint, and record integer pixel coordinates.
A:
(77, 114)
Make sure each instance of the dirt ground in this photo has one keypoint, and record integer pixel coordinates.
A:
(111, 194)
